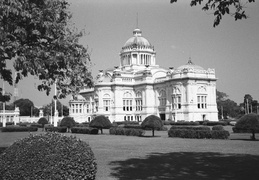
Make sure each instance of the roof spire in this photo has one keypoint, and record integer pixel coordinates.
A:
(190, 61)
(137, 20)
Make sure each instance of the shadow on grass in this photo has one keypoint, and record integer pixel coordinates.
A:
(188, 165)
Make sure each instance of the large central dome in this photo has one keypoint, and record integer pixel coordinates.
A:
(137, 39)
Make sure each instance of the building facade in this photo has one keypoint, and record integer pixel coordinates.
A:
(138, 87)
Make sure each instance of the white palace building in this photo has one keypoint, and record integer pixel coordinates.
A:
(138, 87)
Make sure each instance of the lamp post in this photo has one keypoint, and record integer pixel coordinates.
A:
(55, 106)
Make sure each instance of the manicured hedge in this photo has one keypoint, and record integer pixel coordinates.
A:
(84, 130)
(214, 123)
(126, 131)
(203, 128)
(48, 156)
(126, 123)
(18, 129)
(56, 129)
(238, 130)
(36, 125)
(185, 123)
(198, 134)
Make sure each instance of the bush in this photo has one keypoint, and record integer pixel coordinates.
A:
(9, 123)
(218, 127)
(100, 122)
(84, 130)
(48, 156)
(126, 122)
(214, 123)
(198, 134)
(201, 128)
(43, 121)
(249, 123)
(36, 125)
(68, 122)
(152, 122)
(185, 123)
(126, 131)
(18, 129)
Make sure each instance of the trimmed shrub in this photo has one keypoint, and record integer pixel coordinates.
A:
(218, 127)
(198, 134)
(152, 122)
(18, 129)
(36, 125)
(249, 123)
(214, 123)
(100, 122)
(43, 121)
(84, 130)
(126, 131)
(48, 156)
(185, 123)
(196, 128)
(9, 123)
(67, 122)
(131, 126)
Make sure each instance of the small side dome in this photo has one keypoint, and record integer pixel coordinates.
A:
(190, 65)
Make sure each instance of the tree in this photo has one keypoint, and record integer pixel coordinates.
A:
(249, 122)
(68, 122)
(62, 109)
(222, 7)
(43, 121)
(248, 103)
(38, 36)
(26, 106)
(226, 107)
(152, 122)
(100, 122)
(4, 97)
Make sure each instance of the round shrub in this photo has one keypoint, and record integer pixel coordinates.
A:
(43, 121)
(48, 156)
(101, 122)
(152, 122)
(68, 122)
(250, 123)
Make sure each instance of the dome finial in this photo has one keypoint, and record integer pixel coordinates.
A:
(190, 61)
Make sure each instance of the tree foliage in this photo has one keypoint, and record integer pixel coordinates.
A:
(26, 106)
(152, 122)
(68, 122)
(43, 121)
(100, 122)
(49, 109)
(38, 36)
(222, 7)
(4, 97)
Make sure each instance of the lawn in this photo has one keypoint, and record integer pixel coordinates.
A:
(161, 157)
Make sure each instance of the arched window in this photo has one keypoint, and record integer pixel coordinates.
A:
(162, 98)
(176, 98)
(202, 98)
(139, 101)
(106, 102)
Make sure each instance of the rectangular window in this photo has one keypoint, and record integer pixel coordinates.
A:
(176, 102)
(127, 105)
(202, 102)
(106, 105)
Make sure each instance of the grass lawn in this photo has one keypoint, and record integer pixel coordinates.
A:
(161, 157)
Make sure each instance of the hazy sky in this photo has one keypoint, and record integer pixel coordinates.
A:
(177, 31)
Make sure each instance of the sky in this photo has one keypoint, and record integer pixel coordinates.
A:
(177, 31)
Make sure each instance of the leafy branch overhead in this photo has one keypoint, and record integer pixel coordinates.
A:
(222, 7)
(38, 36)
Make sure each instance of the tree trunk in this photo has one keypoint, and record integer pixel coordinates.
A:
(153, 132)
(101, 130)
(253, 135)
